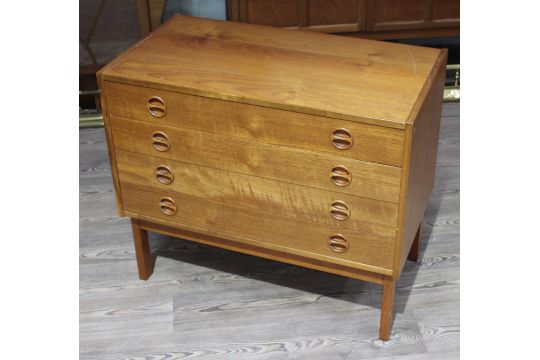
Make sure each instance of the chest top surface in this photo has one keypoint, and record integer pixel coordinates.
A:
(346, 78)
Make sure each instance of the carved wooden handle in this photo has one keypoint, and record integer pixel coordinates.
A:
(160, 141)
(157, 106)
(340, 176)
(338, 243)
(342, 139)
(164, 175)
(339, 210)
(167, 206)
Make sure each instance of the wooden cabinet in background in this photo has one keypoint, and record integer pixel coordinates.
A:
(386, 15)
(366, 18)
(316, 15)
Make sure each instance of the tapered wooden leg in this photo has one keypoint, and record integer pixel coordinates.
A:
(414, 253)
(387, 308)
(142, 250)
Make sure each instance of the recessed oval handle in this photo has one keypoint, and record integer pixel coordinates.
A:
(340, 176)
(340, 210)
(156, 106)
(167, 206)
(338, 243)
(160, 141)
(164, 175)
(342, 139)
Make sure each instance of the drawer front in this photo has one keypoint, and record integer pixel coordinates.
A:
(373, 246)
(322, 171)
(290, 200)
(343, 138)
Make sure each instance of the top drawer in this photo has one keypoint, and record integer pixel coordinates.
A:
(338, 137)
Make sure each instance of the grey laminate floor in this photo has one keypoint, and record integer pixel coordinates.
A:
(203, 302)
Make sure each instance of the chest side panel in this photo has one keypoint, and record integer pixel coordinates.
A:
(422, 137)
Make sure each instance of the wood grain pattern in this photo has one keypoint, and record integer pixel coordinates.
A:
(398, 10)
(303, 14)
(280, 69)
(272, 12)
(371, 246)
(383, 58)
(422, 136)
(231, 209)
(444, 10)
(142, 250)
(372, 143)
(324, 12)
(377, 19)
(254, 192)
(176, 314)
(295, 166)
(271, 254)
(387, 308)
(391, 15)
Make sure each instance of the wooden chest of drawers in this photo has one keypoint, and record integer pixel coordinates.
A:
(310, 149)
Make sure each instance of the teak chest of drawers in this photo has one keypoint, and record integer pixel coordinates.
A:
(310, 149)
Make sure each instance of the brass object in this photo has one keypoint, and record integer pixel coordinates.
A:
(452, 93)
(90, 117)
(89, 120)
